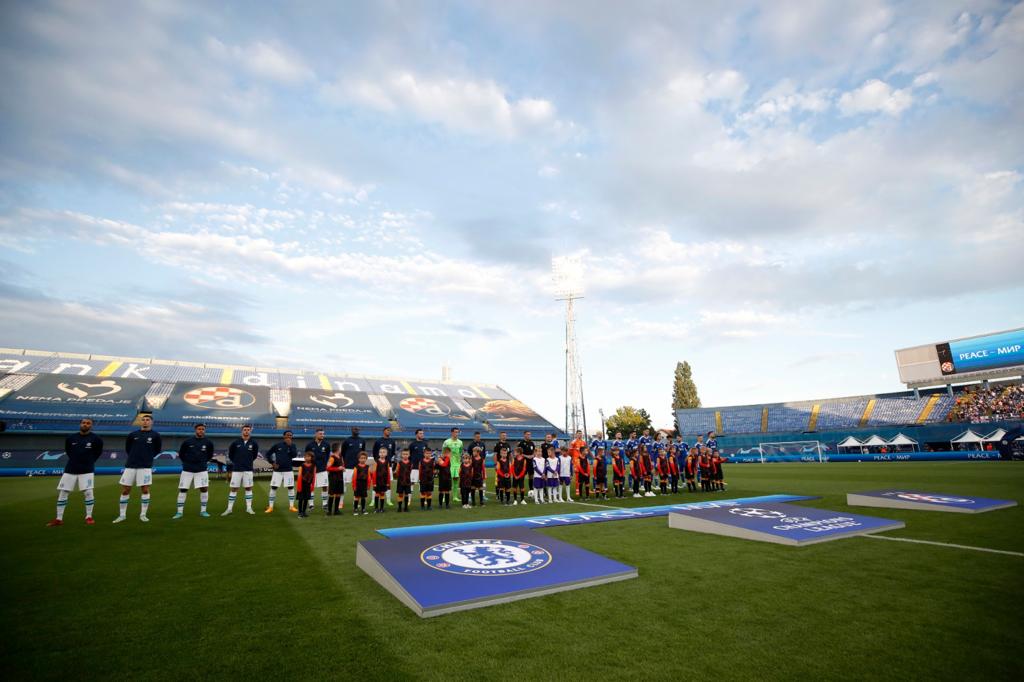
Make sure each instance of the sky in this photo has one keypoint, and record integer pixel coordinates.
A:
(780, 193)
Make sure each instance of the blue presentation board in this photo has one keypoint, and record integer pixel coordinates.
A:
(447, 572)
(577, 518)
(898, 498)
(784, 524)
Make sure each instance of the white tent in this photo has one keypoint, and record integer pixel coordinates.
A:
(849, 442)
(968, 436)
(995, 436)
(899, 440)
(875, 442)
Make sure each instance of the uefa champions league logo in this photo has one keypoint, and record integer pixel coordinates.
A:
(934, 499)
(486, 557)
(755, 513)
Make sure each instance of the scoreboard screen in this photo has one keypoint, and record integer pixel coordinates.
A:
(942, 361)
(992, 351)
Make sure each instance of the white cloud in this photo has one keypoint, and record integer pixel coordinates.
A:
(477, 106)
(269, 60)
(875, 96)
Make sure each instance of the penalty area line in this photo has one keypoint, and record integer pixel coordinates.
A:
(946, 544)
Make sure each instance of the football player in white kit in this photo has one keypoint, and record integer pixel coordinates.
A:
(195, 454)
(142, 447)
(280, 457)
(82, 450)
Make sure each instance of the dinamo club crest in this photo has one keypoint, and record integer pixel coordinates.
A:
(486, 557)
(220, 397)
(421, 405)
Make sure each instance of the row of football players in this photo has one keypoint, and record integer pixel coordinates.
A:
(551, 471)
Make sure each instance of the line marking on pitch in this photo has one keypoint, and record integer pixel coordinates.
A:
(946, 544)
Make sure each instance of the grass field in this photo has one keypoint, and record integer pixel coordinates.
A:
(281, 596)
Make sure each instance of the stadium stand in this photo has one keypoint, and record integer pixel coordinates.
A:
(843, 413)
(744, 419)
(49, 392)
(789, 416)
(699, 420)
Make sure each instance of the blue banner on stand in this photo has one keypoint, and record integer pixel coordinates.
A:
(596, 516)
(785, 524)
(442, 573)
(915, 499)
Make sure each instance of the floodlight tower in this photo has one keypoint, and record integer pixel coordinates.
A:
(567, 273)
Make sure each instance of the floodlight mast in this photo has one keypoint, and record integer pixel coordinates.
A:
(566, 272)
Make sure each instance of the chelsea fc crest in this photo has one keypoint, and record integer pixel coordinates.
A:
(485, 557)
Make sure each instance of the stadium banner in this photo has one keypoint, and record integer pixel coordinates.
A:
(504, 413)
(447, 572)
(213, 404)
(915, 499)
(574, 519)
(992, 351)
(946, 456)
(332, 408)
(61, 397)
(784, 524)
(424, 412)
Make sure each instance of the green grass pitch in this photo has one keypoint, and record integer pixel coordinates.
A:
(277, 596)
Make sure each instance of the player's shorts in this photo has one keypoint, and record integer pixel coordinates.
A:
(504, 483)
(565, 480)
(403, 489)
(194, 479)
(321, 479)
(552, 482)
(414, 476)
(537, 482)
(69, 481)
(518, 483)
(282, 478)
(427, 487)
(241, 479)
(132, 477)
(348, 476)
(335, 483)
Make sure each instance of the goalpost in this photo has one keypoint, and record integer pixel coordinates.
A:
(792, 451)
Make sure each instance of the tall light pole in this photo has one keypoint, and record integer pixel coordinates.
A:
(567, 273)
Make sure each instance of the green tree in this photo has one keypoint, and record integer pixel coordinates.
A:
(684, 391)
(628, 419)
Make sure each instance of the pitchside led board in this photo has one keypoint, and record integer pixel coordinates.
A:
(915, 499)
(438, 574)
(784, 524)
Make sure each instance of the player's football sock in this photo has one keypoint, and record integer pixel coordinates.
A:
(90, 500)
(291, 498)
(203, 499)
(145, 505)
(122, 504)
(248, 500)
(62, 504)
(181, 501)
(388, 495)
(231, 502)
(272, 498)
(362, 504)
(323, 497)
(429, 503)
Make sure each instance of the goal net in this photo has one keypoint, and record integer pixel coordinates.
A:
(792, 451)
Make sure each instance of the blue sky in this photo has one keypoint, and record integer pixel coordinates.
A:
(781, 193)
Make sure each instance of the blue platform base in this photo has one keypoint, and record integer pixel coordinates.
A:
(915, 499)
(438, 574)
(784, 524)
